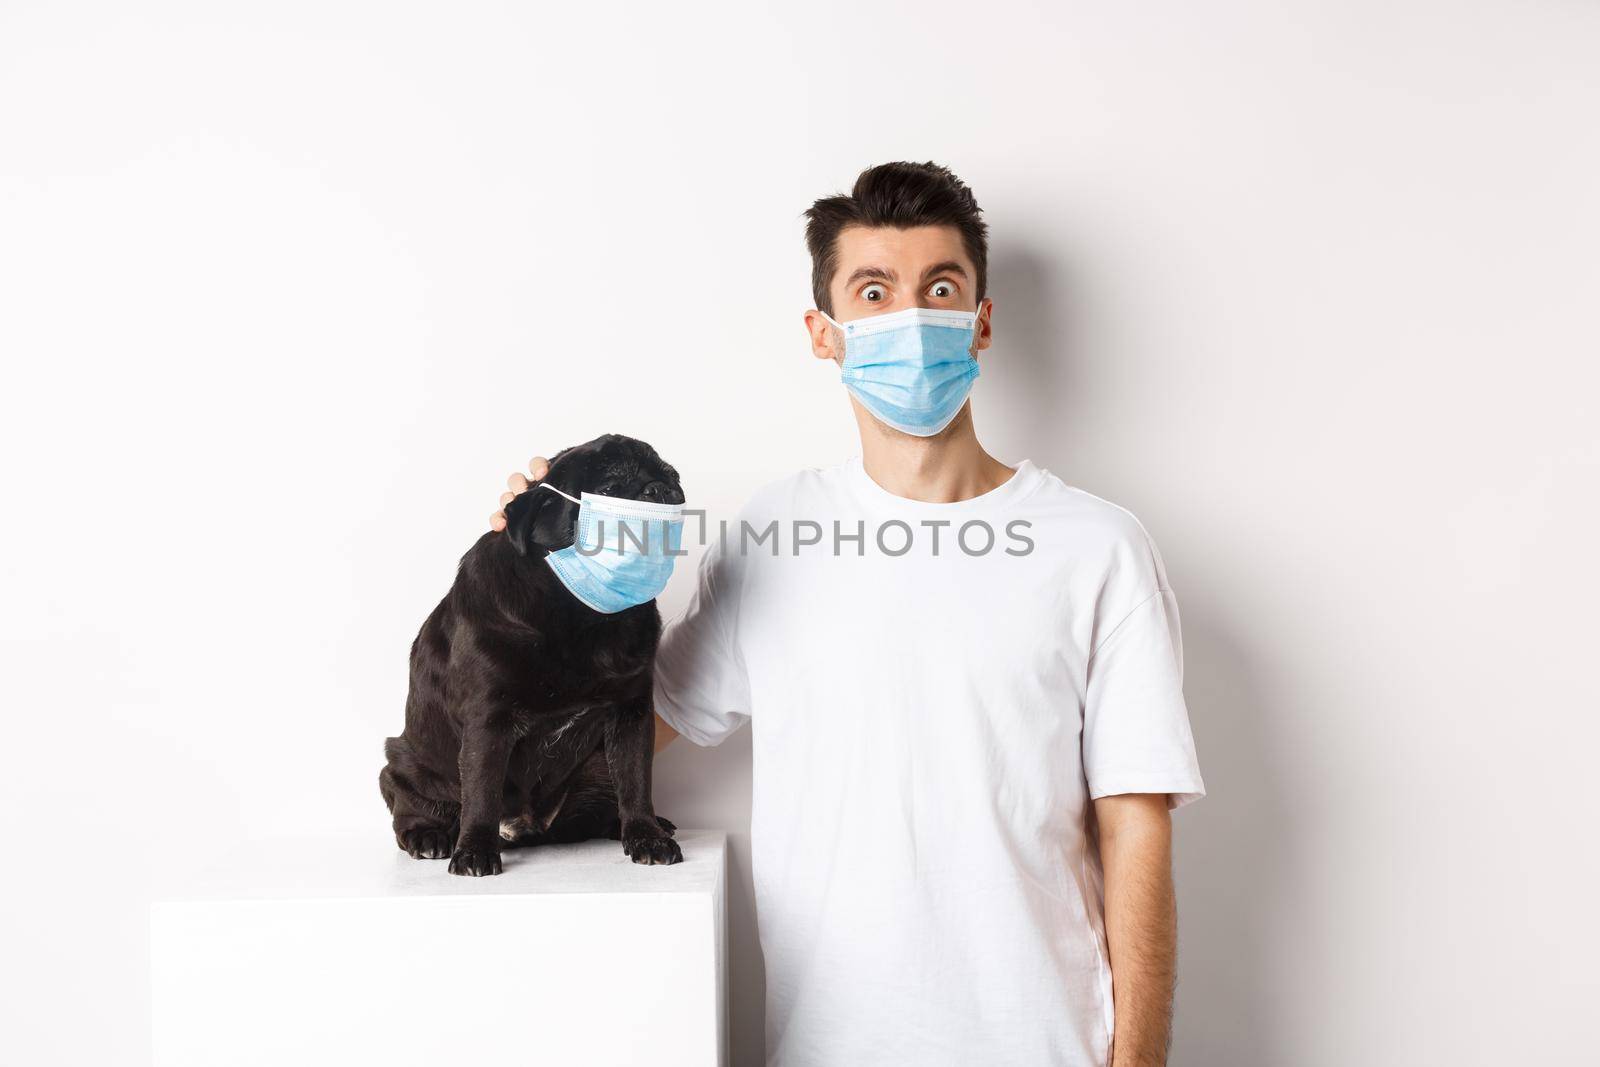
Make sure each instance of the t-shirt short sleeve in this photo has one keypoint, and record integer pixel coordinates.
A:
(701, 687)
(1136, 736)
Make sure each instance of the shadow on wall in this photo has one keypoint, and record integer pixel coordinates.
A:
(1235, 858)
(710, 787)
(1026, 384)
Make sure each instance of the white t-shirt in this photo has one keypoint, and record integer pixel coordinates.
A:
(930, 726)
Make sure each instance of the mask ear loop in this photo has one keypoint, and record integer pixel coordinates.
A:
(844, 335)
(553, 489)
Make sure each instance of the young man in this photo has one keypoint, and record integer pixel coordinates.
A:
(965, 682)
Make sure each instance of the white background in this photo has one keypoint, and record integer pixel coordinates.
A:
(287, 290)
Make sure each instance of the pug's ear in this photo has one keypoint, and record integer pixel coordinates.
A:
(521, 514)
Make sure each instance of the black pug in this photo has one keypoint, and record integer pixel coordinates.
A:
(529, 718)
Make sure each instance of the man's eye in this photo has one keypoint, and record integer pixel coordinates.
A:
(942, 290)
(874, 294)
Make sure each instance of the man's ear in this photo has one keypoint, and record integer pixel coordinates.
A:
(824, 337)
(521, 514)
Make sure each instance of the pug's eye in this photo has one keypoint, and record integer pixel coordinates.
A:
(609, 489)
(942, 290)
(874, 294)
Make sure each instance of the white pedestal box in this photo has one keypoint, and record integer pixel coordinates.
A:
(353, 953)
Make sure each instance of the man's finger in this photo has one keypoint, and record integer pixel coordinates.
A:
(518, 483)
(497, 521)
(506, 498)
(538, 467)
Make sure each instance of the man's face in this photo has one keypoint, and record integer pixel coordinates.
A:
(882, 269)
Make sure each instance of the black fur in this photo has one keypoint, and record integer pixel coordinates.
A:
(529, 717)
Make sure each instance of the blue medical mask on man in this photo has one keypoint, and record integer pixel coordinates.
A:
(911, 369)
(623, 553)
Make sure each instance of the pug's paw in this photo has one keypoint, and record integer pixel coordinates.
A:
(426, 844)
(648, 843)
(475, 862)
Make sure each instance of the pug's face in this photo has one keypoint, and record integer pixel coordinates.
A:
(541, 521)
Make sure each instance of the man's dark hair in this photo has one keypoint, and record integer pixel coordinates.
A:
(901, 195)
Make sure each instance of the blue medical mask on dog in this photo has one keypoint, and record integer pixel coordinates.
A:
(912, 369)
(623, 553)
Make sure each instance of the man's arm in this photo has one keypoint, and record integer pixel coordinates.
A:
(665, 734)
(1135, 832)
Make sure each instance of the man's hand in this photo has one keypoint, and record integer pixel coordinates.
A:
(1135, 832)
(538, 467)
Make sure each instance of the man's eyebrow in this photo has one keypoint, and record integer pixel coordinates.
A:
(949, 266)
(874, 274)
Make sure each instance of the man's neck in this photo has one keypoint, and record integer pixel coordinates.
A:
(942, 469)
